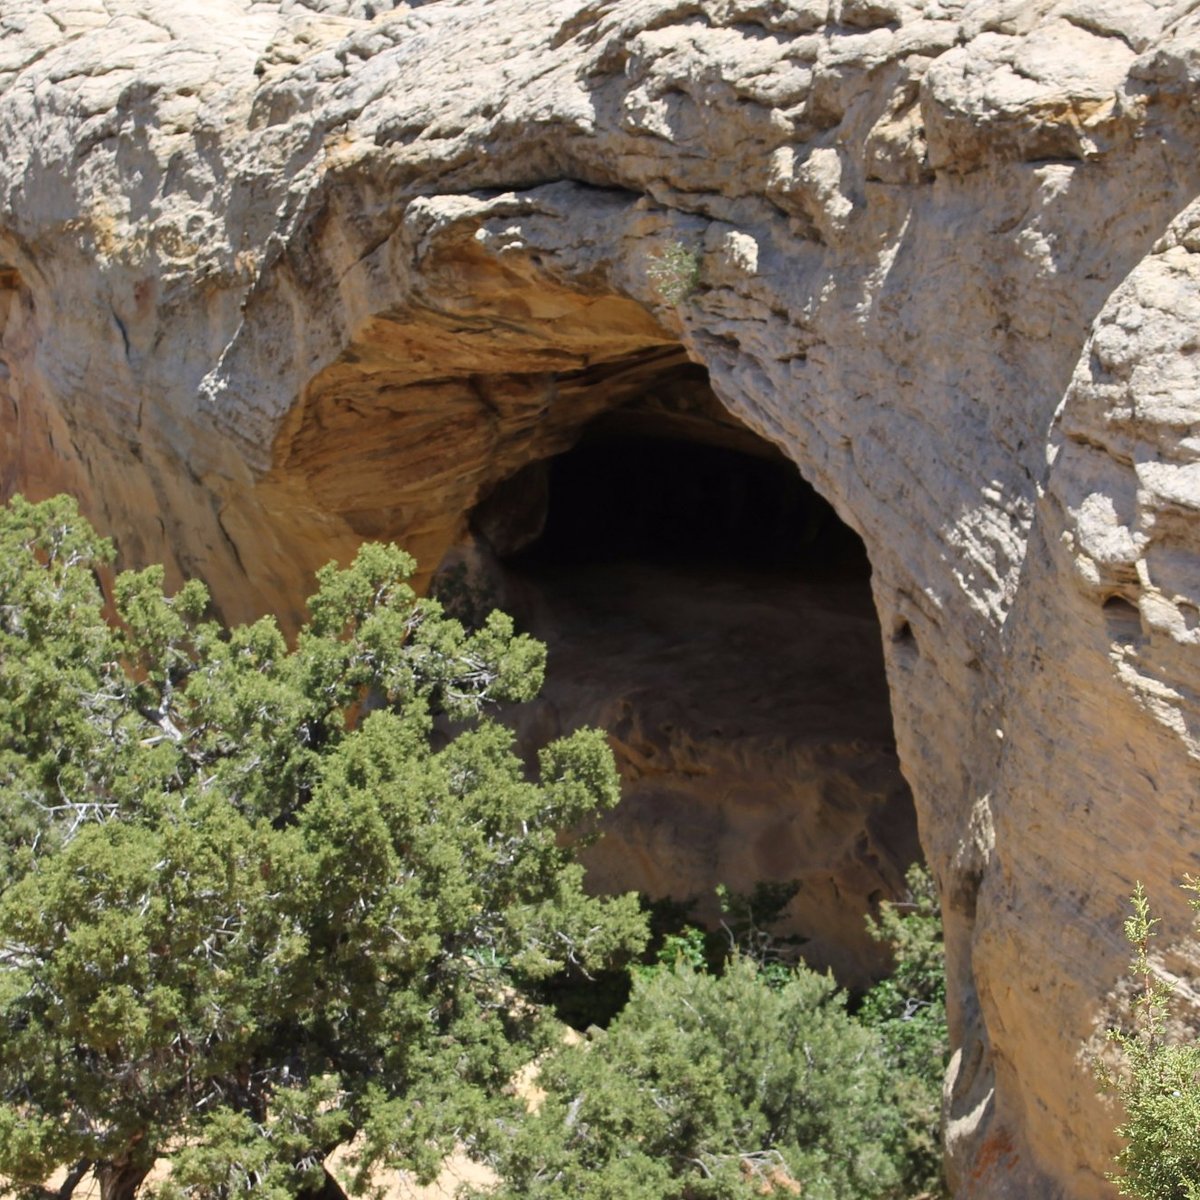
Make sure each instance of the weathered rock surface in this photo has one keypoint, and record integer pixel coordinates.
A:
(278, 276)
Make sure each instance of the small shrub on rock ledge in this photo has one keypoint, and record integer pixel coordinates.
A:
(1157, 1080)
(675, 272)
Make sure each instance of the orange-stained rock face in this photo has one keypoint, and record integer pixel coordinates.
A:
(275, 279)
(434, 409)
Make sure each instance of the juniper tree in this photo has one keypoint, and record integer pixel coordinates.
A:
(712, 1086)
(741, 1073)
(255, 901)
(1157, 1080)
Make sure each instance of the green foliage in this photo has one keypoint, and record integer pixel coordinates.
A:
(1158, 1083)
(675, 272)
(583, 1000)
(733, 1072)
(908, 1010)
(747, 919)
(237, 920)
(710, 1087)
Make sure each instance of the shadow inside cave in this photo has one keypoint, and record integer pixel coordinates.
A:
(709, 610)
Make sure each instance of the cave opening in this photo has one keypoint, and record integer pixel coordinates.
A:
(619, 496)
(704, 605)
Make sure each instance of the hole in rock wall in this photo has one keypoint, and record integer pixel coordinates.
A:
(707, 608)
(673, 503)
(1124, 621)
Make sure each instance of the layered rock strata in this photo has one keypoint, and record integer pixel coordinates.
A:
(275, 277)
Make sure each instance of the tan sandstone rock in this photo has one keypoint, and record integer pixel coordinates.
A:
(275, 277)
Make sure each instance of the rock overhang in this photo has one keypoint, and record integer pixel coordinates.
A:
(907, 219)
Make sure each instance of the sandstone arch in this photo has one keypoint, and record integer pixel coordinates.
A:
(909, 217)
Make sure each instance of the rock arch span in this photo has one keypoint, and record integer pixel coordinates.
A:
(923, 230)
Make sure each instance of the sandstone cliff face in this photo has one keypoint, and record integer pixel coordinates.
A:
(275, 277)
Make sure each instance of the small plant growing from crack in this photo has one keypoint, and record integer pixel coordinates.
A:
(675, 272)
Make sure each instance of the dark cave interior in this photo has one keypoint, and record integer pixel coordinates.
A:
(708, 609)
(634, 497)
